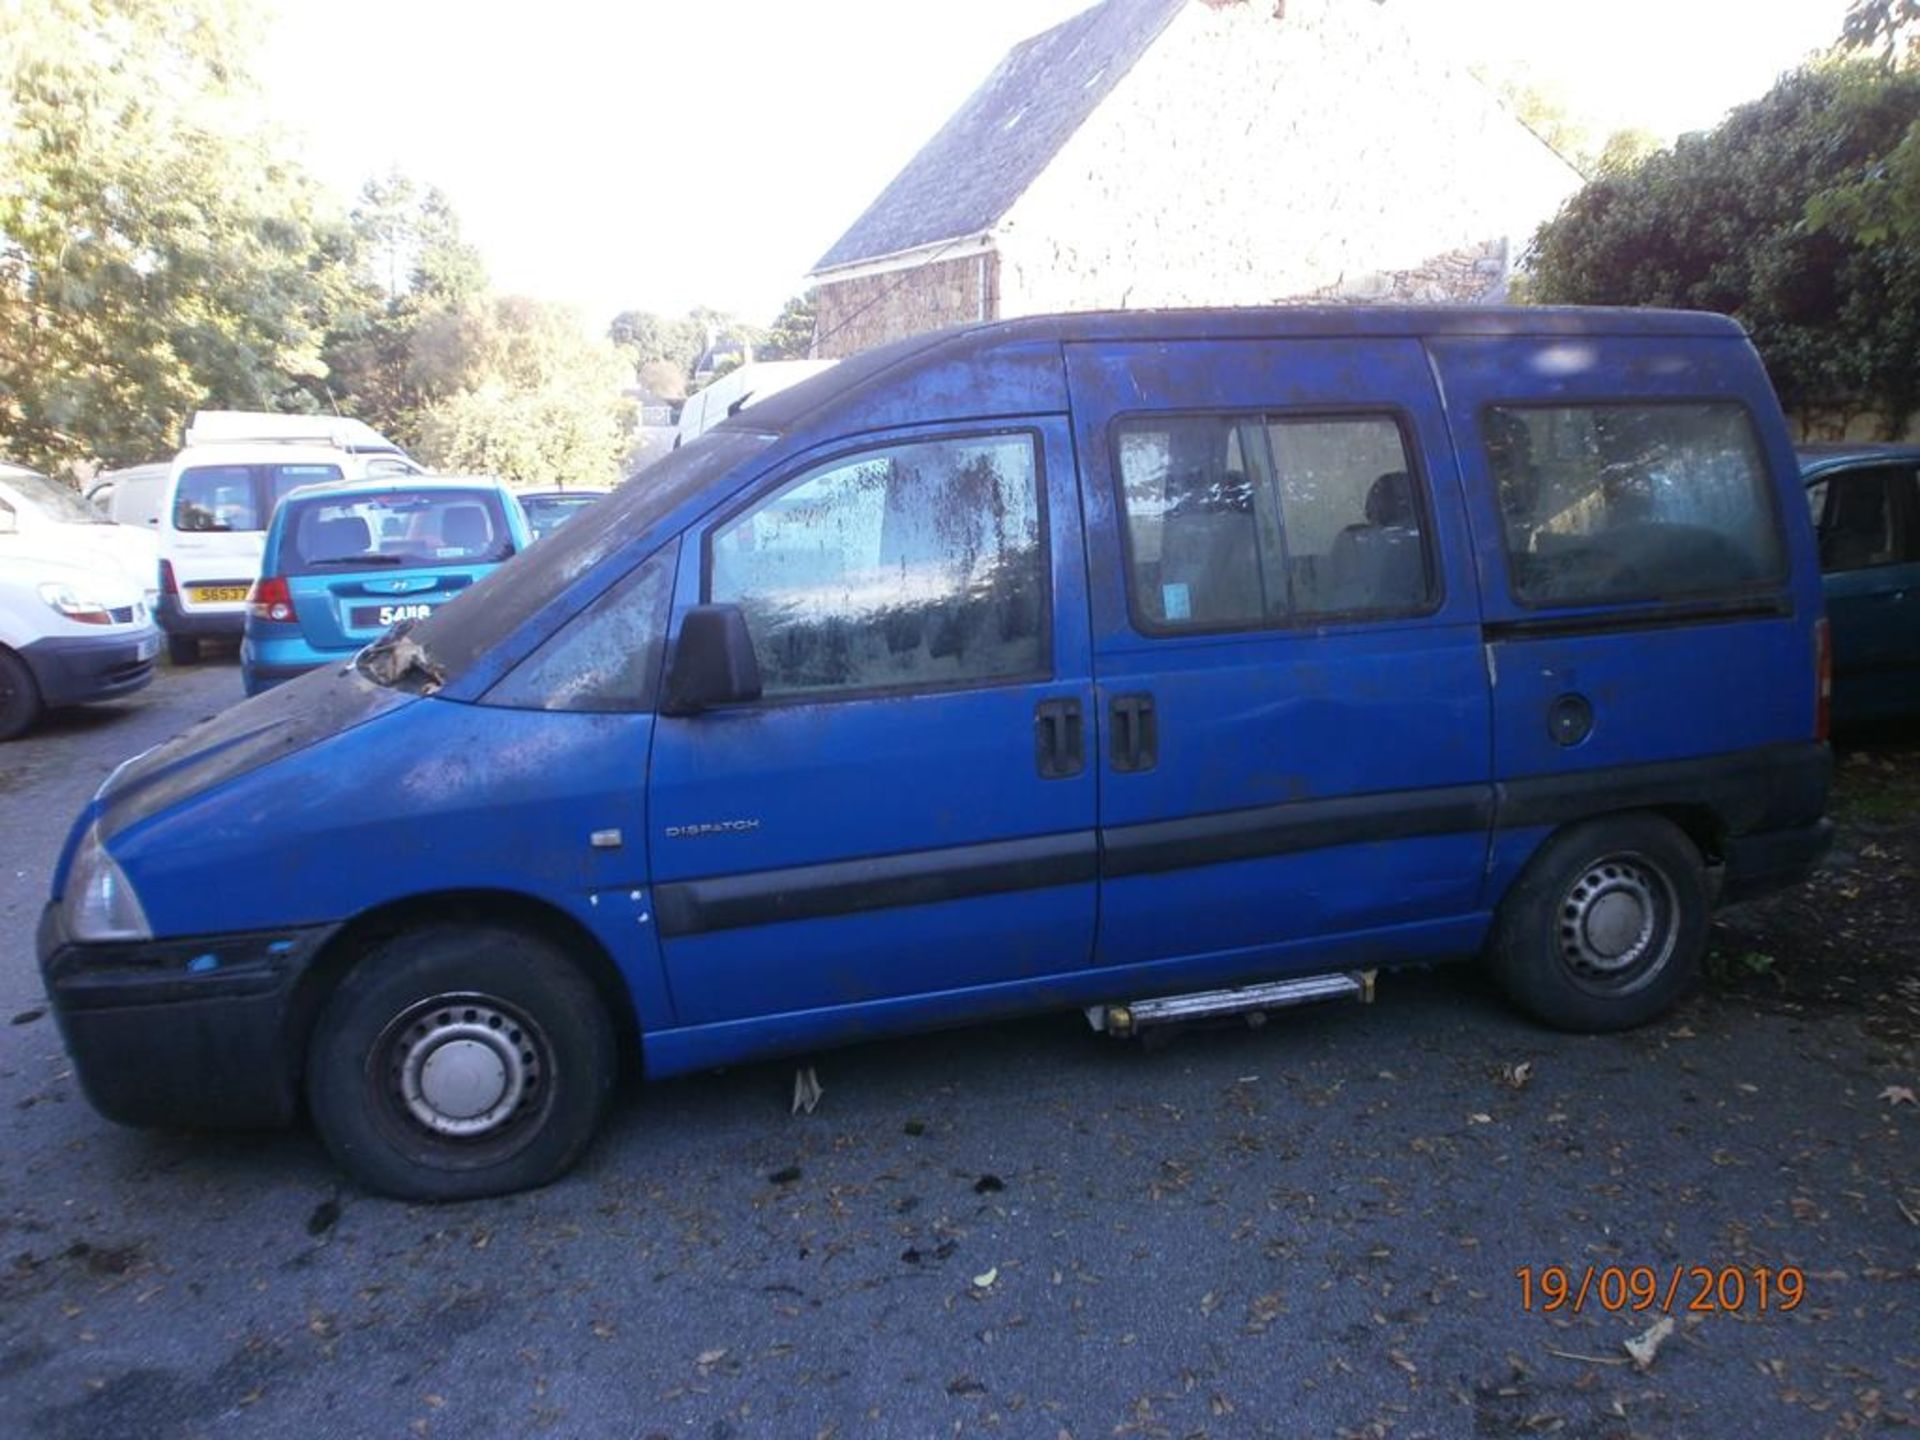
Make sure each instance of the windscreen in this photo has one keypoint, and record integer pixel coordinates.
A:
(395, 530)
(463, 629)
(56, 499)
(547, 513)
(239, 497)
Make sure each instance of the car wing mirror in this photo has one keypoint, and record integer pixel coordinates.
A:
(713, 662)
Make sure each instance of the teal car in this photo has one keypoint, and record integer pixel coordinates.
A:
(1866, 512)
(348, 560)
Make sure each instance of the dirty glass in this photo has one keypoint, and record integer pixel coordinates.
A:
(913, 565)
(1631, 502)
(239, 497)
(1203, 531)
(1352, 516)
(1864, 518)
(607, 657)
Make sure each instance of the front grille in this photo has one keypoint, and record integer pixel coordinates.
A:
(122, 614)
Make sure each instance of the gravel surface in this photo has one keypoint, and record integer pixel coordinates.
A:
(1029, 1230)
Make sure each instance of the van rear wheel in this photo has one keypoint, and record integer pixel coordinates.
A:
(459, 1061)
(1605, 928)
(183, 649)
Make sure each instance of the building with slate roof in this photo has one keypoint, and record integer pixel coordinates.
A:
(1198, 152)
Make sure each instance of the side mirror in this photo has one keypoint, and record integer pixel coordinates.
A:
(713, 662)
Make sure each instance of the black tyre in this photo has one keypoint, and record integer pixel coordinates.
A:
(183, 649)
(1605, 928)
(458, 1061)
(19, 696)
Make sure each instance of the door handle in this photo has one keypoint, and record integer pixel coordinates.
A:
(1135, 734)
(1058, 749)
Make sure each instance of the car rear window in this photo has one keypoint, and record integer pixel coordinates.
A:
(395, 530)
(239, 497)
(1603, 503)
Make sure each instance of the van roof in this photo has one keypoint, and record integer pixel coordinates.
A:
(972, 343)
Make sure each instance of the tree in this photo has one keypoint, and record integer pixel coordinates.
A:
(1890, 26)
(1729, 221)
(790, 337)
(524, 393)
(158, 249)
(412, 267)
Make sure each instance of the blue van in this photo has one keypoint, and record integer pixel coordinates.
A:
(1159, 664)
(346, 561)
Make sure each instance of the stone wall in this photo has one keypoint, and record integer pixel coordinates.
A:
(869, 310)
(1249, 159)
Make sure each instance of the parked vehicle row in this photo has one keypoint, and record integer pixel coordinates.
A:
(68, 634)
(1176, 663)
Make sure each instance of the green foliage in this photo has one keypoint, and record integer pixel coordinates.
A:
(1889, 26)
(524, 393)
(1750, 220)
(790, 337)
(158, 250)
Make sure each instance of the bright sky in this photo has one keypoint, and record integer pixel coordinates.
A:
(661, 155)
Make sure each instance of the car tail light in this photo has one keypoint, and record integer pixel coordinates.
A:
(1822, 678)
(270, 599)
(167, 583)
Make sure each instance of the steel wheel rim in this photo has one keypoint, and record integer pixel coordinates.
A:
(470, 1070)
(1617, 924)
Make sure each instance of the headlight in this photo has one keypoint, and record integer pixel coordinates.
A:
(75, 605)
(99, 903)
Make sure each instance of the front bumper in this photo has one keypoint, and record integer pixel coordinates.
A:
(201, 624)
(73, 669)
(195, 1032)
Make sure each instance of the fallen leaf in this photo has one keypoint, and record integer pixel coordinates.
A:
(1898, 1095)
(1644, 1346)
(985, 1282)
(1517, 1076)
(710, 1357)
(807, 1090)
(989, 1185)
(1479, 1118)
(784, 1177)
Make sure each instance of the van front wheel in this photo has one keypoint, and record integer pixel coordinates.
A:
(1605, 928)
(19, 696)
(460, 1061)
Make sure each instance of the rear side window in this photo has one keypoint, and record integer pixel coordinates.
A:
(239, 497)
(911, 566)
(1240, 522)
(1866, 517)
(1631, 502)
(399, 530)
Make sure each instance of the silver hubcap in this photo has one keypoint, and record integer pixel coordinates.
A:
(1616, 922)
(464, 1065)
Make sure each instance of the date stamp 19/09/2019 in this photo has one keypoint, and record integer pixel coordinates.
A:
(1637, 1289)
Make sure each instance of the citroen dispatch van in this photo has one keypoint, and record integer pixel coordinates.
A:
(219, 495)
(1158, 664)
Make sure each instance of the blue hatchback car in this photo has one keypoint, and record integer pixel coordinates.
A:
(348, 560)
(1161, 665)
(1866, 511)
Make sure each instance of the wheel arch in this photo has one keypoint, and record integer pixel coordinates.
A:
(504, 908)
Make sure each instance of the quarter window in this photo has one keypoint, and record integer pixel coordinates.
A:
(915, 565)
(607, 657)
(1631, 502)
(239, 497)
(1244, 522)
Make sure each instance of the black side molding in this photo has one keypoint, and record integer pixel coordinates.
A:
(1658, 617)
(1289, 828)
(882, 882)
(1776, 787)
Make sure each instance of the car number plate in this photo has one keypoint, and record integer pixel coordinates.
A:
(216, 594)
(147, 648)
(381, 616)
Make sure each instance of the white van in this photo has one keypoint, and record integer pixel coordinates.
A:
(68, 634)
(736, 390)
(44, 520)
(220, 493)
(130, 496)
